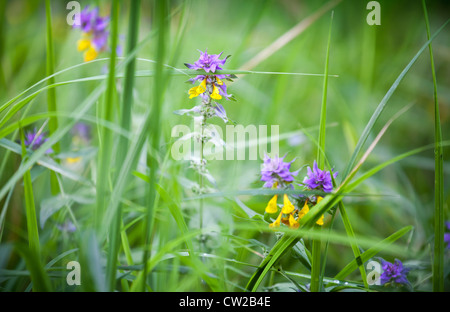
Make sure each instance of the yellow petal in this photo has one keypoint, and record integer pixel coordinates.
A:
(83, 44)
(72, 160)
(276, 223)
(193, 92)
(203, 85)
(292, 222)
(272, 205)
(304, 211)
(219, 82)
(288, 207)
(320, 221)
(215, 94)
(90, 54)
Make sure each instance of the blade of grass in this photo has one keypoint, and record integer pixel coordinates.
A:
(39, 277)
(104, 156)
(32, 225)
(371, 252)
(161, 9)
(51, 93)
(316, 279)
(438, 259)
(127, 102)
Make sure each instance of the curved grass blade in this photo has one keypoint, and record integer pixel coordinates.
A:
(316, 279)
(51, 93)
(438, 248)
(371, 252)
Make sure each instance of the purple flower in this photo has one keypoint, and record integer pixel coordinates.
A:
(208, 62)
(68, 227)
(86, 17)
(95, 35)
(394, 273)
(276, 170)
(33, 140)
(317, 179)
(447, 235)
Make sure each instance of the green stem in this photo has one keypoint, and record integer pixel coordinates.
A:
(161, 10)
(105, 144)
(438, 259)
(315, 265)
(316, 280)
(51, 93)
(105, 157)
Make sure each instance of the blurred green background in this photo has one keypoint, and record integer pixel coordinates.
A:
(367, 60)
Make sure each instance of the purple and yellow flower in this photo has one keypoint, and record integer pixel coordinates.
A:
(318, 179)
(211, 85)
(394, 273)
(95, 35)
(276, 174)
(33, 140)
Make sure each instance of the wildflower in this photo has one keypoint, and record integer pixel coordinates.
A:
(447, 235)
(272, 205)
(394, 273)
(34, 140)
(208, 62)
(95, 36)
(212, 83)
(319, 179)
(68, 227)
(218, 88)
(276, 170)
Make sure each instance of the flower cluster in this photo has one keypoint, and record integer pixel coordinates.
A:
(211, 89)
(211, 84)
(94, 37)
(34, 139)
(394, 273)
(276, 174)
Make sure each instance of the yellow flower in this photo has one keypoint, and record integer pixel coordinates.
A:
(72, 160)
(196, 91)
(287, 207)
(83, 44)
(215, 94)
(292, 222)
(90, 54)
(276, 223)
(304, 211)
(272, 205)
(320, 221)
